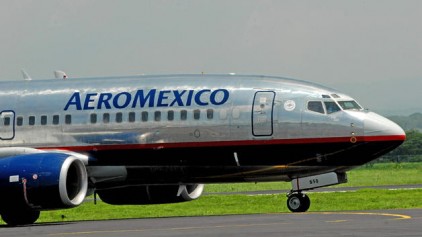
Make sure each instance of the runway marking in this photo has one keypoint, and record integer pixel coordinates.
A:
(98, 232)
(337, 221)
(163, 229)
(393, 215)
(396, 216)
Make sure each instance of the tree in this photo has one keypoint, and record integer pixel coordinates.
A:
(410, 150)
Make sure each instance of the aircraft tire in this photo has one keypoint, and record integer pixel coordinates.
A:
(20, 217)
(298, 202)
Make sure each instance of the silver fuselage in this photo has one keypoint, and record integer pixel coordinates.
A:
(195, 128)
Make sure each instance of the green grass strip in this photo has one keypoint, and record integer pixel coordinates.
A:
(367, 199)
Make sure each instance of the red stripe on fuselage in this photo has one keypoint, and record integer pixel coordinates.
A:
(384, 138)
(228, 143)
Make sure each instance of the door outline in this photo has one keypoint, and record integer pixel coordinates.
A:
(7, 129)
(263, 108)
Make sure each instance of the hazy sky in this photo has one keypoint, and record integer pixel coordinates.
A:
(371, 50)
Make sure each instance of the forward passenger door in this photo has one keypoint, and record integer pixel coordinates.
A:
(7, 125)
(262, 113)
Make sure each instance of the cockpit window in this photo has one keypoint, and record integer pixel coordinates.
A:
(331, 107)
(316, 106)
(349, 105)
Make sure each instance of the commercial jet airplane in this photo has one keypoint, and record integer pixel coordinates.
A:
(159, 139)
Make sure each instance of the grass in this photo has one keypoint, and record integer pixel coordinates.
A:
(366, 199)
(211, 204)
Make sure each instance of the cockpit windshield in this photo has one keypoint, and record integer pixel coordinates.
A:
(331, 107)
(349, 105)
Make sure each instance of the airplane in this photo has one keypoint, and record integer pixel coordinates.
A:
(153, 139)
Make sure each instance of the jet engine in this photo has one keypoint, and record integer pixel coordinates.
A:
(41, 181)
(154, 194)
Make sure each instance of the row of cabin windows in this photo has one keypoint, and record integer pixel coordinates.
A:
(106, 117)
(43, 120)
(156, 116)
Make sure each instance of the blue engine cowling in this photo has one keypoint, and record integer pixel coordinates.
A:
(42, 181)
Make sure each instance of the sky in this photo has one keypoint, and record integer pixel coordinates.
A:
(370, 50)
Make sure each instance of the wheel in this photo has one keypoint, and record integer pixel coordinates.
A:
(298, 202)
(294, 202)
(306, 202)
(20, 217)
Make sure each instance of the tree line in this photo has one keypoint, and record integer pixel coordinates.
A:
(409, 151)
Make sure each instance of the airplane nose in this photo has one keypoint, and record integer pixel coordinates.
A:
(379, 127)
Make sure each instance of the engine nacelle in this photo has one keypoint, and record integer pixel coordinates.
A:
(42, 181)
(159, 194)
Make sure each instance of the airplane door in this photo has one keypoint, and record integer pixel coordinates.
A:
(262, 113)
(7, 125)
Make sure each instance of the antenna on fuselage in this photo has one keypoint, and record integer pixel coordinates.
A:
(60, 75)
(25, 75)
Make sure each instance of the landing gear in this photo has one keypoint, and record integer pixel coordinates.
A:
(20, 217)
(298, 202)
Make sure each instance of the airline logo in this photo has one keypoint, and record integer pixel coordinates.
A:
(147, 98)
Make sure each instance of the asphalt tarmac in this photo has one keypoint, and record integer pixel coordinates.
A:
(403, 222)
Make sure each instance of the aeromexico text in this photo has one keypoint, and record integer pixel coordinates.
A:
(147, 98)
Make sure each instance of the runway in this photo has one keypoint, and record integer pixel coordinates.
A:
(403, 222)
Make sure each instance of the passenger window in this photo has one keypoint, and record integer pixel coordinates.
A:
(93, 118)
(157, 116)
(170, 115)
(19, 121)
(223, 114)
(43, 119)
(144, 116)
(119, 117)
(236, 113)
(132, 117)
(331, 107)
(31, 120)
(183, 115)
(68, 119)
(210, 113)
(196, 114)
(56, 119)
(106, 118)
(6, 121)
(316, 106)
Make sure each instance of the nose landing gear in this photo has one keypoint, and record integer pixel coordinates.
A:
(300, 202)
